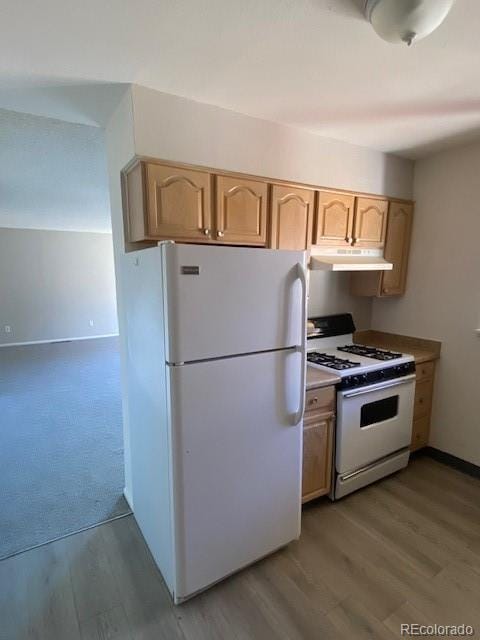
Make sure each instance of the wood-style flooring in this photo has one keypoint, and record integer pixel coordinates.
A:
(406, 549)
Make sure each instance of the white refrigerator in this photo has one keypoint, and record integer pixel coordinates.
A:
(215, 377)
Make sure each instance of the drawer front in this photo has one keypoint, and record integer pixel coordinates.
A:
(425, 371)
(320, 400)
(423, 399)
(420, 433)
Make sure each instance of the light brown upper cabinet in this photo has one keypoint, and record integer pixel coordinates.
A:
(241, 211)
(370, 224)
(334, 219)
(166, 202)
(291, 218)
(179, 203)
(397, 247)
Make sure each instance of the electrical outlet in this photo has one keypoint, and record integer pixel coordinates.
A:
(91, 323)
(8, 328)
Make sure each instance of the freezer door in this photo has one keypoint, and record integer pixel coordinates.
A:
(236, 464)
(222, 301)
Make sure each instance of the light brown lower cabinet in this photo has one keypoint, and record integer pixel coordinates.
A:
(423, 405)
(317, 455)
(420, 433)
(318, 434)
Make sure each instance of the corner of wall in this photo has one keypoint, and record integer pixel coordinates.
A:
(120, 145)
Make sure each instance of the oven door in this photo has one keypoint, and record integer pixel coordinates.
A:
(373, 422)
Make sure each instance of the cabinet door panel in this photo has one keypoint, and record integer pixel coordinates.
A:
(317, 457)
(370, 222)
(334, 220)
(423, 399)
(291, 218)
(241, 212)
(179, 203)
(397, 245)
(425, 371)
(420, 433)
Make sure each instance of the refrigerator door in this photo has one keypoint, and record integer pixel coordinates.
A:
(222, 301)
(236, 463)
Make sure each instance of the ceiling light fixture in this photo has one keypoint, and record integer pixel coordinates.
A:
(406, 20)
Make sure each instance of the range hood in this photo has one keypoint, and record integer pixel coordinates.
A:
(334, 259)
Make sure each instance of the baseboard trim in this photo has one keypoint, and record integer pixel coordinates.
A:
(21, 344)
(452, 461)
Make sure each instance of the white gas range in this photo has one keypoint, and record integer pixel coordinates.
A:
(374, 403)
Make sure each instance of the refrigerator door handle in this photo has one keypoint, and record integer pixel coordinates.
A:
(302, 276)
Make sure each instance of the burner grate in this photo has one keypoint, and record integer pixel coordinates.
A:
(332, 362)
(370, 352)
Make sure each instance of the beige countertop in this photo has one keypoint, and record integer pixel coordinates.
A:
(421, 349)
(317, 378)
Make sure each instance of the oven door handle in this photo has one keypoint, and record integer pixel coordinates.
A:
(386, 385)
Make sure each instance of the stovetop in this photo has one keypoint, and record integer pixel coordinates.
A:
(331, 348)
(370, 352)
(348, 359)
(331, 361)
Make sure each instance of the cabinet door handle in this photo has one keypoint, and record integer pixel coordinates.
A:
(207, 232)
(220, 234)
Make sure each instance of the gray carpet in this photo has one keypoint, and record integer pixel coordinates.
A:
(61, 448)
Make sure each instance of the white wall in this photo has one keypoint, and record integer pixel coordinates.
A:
(443, 293)
(178, 129)
(53, 174)
(173, 128)
(53, 283)
(330, 293)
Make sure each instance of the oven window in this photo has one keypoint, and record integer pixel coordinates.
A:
(379, 411)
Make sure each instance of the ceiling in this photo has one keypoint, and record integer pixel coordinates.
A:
(53, 174)
(315, 64)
